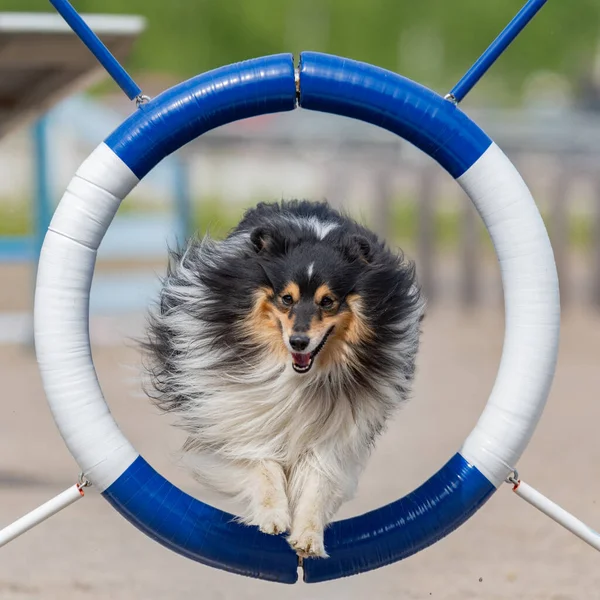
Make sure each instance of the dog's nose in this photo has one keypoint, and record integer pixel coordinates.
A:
(299, 342)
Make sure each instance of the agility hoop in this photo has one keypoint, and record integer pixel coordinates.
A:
(329, 84)
(345, 87)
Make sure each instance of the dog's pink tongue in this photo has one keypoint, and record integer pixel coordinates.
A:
(302, 360)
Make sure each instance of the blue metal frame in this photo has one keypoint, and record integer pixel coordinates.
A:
(345, 87)
(498, 46)
(97, 48)
(25, 248)
(17, 249)
(43, 207)
(457, 94)
(183, 199)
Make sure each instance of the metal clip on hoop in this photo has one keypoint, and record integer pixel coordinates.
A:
(513, 479)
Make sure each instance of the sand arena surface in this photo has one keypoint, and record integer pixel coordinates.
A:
(507, 550)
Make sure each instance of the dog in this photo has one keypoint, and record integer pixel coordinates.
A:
(283, 350)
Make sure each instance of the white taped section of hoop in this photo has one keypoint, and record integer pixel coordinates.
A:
(93, 197)
(61, 317)
(532, 307)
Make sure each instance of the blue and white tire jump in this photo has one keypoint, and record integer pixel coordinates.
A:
(266, 85)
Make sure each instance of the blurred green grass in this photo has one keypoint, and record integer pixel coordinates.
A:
(212, 216)
(217, 218)
(15, 218)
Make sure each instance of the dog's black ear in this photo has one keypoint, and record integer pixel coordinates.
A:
(264, 239)
(360, 248)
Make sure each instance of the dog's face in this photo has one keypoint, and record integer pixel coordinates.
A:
(311, 311)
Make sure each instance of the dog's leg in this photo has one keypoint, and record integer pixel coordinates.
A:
(257, 487)
(316, 497)
(268, 506)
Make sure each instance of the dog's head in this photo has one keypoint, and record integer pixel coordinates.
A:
(311, 310)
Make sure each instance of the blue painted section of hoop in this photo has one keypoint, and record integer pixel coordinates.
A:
(196, 530)
(354, 89)
(402, 528)
(182, 113)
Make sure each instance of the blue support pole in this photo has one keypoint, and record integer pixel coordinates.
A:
(183, 199)
(98, 49)
(498, 46)
(43, 208)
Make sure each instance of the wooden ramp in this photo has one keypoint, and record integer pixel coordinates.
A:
(42, 61)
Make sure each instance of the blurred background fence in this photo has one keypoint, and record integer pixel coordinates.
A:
(540, 103)
(370, 173)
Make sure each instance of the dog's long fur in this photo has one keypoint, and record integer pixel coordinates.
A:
(290, 445)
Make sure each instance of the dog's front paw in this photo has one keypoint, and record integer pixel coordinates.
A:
(308, 543)
(272, 520)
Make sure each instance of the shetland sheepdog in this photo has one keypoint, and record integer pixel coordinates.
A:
(283, 350)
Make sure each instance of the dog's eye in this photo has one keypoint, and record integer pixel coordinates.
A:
(326, 302)
(287, 300)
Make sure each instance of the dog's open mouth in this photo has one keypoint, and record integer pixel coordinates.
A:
(303, 361)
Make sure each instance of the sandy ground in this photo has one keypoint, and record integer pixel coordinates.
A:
(507, 550)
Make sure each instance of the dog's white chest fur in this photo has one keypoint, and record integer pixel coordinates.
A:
(279, 416)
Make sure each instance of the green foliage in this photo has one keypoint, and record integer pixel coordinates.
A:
(215, 217)
(432, 41)
(14, 218)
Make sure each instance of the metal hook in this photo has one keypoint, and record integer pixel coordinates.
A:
(142, 99)
(83, 481)
(513, 478)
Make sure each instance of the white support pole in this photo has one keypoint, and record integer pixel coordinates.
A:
(40, 514)
(558, 514)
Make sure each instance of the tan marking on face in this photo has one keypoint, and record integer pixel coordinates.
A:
(357, 328)
(283, 311)
(351, 328)
(269, 322)
(322, 291)
(262, 323)
(287, 323)
(292, 289)
(318, 327)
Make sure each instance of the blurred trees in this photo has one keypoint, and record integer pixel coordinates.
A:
(432, 41)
